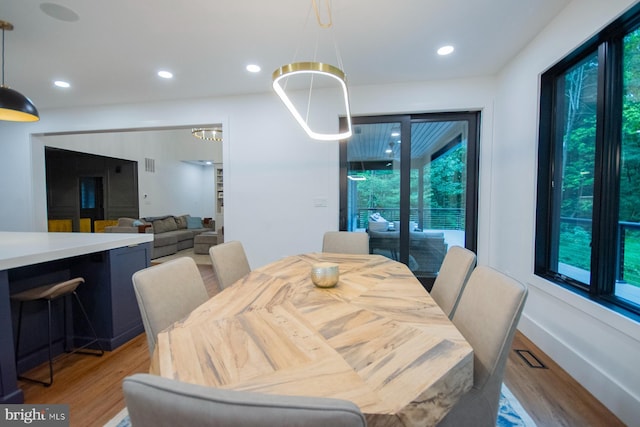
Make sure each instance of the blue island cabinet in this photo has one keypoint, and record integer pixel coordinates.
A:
(107, 295)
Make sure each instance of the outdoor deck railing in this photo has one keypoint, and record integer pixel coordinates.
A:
(624, 227)
(437, 218)
(453, 219)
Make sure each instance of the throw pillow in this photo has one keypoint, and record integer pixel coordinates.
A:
(181, 221)
(194, 222)
(126, 222)
(164, 225)
(376, 217)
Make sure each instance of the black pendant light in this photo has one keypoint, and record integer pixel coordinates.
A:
(14, 106)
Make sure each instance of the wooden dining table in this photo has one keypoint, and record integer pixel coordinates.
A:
(377, 339)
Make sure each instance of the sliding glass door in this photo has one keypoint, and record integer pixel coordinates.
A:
(410, 181)
(373, 184)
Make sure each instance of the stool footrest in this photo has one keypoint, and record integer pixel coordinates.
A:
(44, 383)
(98, 352)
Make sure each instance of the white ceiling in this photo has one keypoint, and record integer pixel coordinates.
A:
(112, 52)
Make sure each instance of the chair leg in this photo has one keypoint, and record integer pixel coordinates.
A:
(65, 330)
(50, 344)
(50, 350)
(96, 340)
(19, 328)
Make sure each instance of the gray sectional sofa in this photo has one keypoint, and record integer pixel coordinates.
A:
(170, 233)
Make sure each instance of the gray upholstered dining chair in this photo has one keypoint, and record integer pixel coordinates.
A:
(454, 272)
(166, 293)
(345, 242)
(153, 401)
(229, 262)
(487, 316)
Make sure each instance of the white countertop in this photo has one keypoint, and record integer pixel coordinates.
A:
(18, 249)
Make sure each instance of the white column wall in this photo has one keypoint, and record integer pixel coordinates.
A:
(596, 346)
(274, 173)
(17, 211)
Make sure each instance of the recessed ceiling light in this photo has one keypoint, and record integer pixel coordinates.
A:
(253, 68)
(445, 50)
(62, 84)
(165, 74)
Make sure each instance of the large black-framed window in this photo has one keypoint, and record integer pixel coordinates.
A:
(588, 206)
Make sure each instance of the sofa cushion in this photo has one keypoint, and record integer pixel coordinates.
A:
(164, 225)
(164, 239)
(185, 244)
(159, 251)
(427, 235)
(194, 222)
(126, 222)
(118, 229)
(155, 218)
(182, 234)
(181, 221)
(378, 225)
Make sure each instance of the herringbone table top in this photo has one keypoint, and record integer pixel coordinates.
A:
(377, 339)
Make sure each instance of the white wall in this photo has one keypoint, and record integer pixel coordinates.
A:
(273, 173)
(599, 348)
(176, 187)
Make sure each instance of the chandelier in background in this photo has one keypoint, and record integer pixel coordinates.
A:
(207, 134)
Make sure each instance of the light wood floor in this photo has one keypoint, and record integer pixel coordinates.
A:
(550, 395)
(92, 385)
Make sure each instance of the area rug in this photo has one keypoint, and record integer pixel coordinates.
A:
(510, 414)
(510, 411)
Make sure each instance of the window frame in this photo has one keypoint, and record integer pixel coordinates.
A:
(608, 44)
(473, 118)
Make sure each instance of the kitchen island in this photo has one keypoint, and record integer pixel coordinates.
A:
(31, 259)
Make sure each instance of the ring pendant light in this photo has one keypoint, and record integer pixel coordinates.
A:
(312, 68)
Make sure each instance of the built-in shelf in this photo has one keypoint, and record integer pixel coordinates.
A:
(219, 191)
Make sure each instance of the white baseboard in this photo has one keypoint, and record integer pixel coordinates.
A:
(612, 394)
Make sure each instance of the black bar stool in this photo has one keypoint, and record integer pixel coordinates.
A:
(50, 293)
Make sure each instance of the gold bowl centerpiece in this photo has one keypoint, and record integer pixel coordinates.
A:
(324, 274)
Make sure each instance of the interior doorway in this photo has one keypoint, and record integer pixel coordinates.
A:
(84, 188)
(91, 191)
